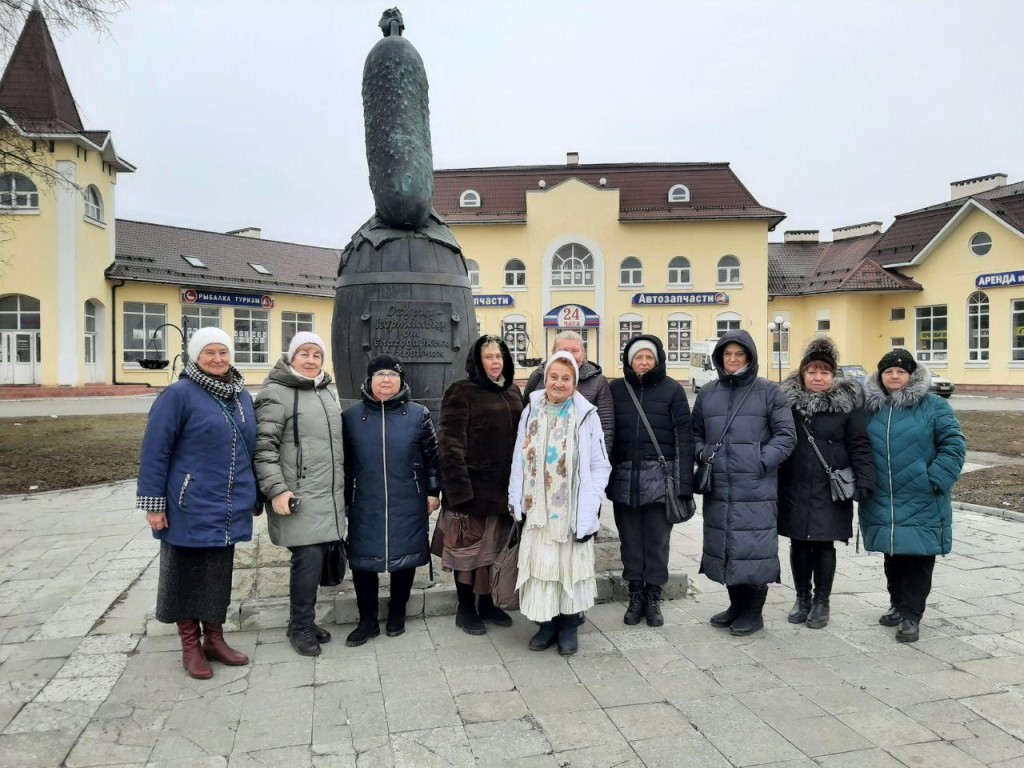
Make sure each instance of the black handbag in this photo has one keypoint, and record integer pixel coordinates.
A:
(842, 482)
(333, 569)
(704, 475)
(676, 509)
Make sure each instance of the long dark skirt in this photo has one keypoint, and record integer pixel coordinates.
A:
(194, 584)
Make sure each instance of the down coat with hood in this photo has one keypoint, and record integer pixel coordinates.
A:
(479, 419)
(741, 544)
(919, 450)
(836, 419)
(636, 477)
(592, 385)
(391, 466)
(312, 469)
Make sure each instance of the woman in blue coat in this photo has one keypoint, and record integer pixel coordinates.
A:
(919, 450)
(392, 484)
(198, 490)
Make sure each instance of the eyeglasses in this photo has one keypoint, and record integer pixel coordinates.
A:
(386, 375)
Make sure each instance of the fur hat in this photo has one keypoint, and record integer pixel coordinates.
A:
(302, 338)
(820, 349)
(203, 337)
(385, 363)
(897, 358)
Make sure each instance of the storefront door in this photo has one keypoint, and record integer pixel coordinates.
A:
(19, 357)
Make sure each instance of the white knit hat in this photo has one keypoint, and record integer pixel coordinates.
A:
(637, 346)
(203, 337)
(305, 337)
(564, 357)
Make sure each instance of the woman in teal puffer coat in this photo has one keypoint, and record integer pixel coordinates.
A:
(919, 450)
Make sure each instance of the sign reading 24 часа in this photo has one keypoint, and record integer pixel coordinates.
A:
(200, 296)
(998, 279)
(669, 299)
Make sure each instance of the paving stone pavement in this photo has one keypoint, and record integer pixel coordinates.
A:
(81, 685)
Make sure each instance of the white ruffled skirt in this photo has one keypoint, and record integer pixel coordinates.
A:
(554, 577)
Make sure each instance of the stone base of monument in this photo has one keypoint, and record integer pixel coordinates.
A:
(259, 595)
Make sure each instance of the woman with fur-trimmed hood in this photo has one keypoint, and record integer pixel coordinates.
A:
(830, 409)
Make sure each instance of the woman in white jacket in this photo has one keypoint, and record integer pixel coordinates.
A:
(558, 478)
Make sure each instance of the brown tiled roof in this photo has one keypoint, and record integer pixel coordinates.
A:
(152, 253)
(797, 269)
(715, 191)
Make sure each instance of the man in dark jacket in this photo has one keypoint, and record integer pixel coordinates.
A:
(637, 486)
(592, 384)
(741, 544)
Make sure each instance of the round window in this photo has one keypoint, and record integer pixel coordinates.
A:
(981, 244)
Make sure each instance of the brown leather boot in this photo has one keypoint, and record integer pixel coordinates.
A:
(192, 657)
(218, 650)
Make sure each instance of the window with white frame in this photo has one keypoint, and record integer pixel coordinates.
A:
(252, 337)
(725, 322)
(931, 333)
(1017, 330)
(679, 271)
(19, 313)
(93, 204)
(899, 313)
(780, 344)
(291, 324)
(469, 199)
(143, 337)
(679, 194)
(473, 270)
(515, 274)
(573, 266)
(977, 327)
(728, 270)
(630, 326)
(981, 243)
(631, 272)
(18, 192)
(679, 327)
(513, 331)
(194, 317)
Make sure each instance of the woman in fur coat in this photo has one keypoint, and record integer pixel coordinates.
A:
(830, 409)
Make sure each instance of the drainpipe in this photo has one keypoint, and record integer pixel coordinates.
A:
(113, 336)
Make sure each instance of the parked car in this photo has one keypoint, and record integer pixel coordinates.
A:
(941, 386)
(855, 372)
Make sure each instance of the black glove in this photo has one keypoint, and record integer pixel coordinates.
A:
(588, 537)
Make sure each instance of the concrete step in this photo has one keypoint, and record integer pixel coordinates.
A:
(35, 392)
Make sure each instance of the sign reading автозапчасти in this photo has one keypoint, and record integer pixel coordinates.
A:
(412, 331)
(997, 279)
(668, 299)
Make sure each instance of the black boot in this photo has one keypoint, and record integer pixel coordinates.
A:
(635, 610)
(366, 628)
(909, 631)
(322, 635)
(568, 642)
(824, 575)
(545, 636)
(750, 620)
(395, 625)
(724, 619)
(652, 598)
(466, 617)
(488, 611)
(304, 642)
(892, 617)
(800, 563)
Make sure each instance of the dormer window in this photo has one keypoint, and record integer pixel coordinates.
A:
(469, 199)
(260, 269)
(193, 261)
(679, 194)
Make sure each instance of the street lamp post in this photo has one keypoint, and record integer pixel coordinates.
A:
(778, 327)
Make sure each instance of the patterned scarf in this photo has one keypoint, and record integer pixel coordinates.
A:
(219, 389)
(548, 458)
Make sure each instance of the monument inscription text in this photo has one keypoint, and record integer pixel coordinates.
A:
(412, 331)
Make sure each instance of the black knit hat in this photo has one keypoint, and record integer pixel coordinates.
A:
(897, 358)
(385, 363)
(820, 349)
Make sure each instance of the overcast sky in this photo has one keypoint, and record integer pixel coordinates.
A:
(248, 112)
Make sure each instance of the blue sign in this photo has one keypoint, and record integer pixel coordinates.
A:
(494, 300)
(998, 279)
(199, 296)
(571, 316)
(675, 299)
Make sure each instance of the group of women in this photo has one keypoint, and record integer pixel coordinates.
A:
(372, 475)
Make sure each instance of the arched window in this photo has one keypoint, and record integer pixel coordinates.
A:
(679, 327)
(726, 321)
(631, 272)
(679, 194)
(93, 204)
(17, 191)
(981, 243)
(469, 199)
(629, 326)
(573, 266)
(474, 273)
(513, 331)
(19, 313)
(977, 327)
(679, 271)
(728, 270)
(515, 274)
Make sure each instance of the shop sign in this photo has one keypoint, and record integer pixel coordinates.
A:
(679, 299)
(999, 279)
(199, 296)
(571, 316)
(494, 300)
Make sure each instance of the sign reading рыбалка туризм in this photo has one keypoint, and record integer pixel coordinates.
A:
(225, 298)
(683, 299)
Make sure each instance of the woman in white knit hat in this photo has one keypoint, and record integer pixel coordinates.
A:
(299, 464)
(198, 492)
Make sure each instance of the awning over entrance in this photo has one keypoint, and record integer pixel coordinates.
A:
(571, 316)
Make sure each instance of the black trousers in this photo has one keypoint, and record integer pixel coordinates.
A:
(909, 580)
(644, 535)
(367, 584)
(307, 562)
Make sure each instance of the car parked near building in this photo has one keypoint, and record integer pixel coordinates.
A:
(941, 386)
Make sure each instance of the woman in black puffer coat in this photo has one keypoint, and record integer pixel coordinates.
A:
(637, 486)
(832, 410)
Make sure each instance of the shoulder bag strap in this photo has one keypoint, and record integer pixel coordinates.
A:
(647, 424)
(814, 445)
(234, 425)
(728, 423)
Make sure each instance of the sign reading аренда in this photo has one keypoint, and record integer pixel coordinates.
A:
(199, 296)
(678, 299)
(999, 279)
(412, 331)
